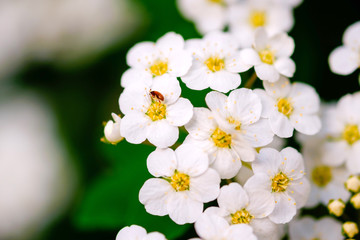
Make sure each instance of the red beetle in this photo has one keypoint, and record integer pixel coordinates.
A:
(156, 95)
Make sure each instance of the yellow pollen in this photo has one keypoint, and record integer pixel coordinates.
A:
(221, 138)
(237, 123)
(285, 106)
(159, 68)
(321, 175)
(180, 181)
(156, 111)
(280, 182)
(215, 64)
(351, 134)
(267, 56)
(257, 18)
(242, 216)
(217, 1)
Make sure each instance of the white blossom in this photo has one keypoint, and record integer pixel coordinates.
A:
(112, 129)
(135, 232)
(230, 131)
(289, 106)
(246, 16)
(270, 55)
(281, 174)
(308, 228)
(216, 63)
(345, 59)
(154, 112)
(149, 60)
(183, 183)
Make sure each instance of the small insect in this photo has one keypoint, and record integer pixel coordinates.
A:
(156, 95)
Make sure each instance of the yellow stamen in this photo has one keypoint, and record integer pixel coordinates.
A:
(280, 182)
(215, 64)
(257, 18)
(242, 216)
(267, 56)
(156, 110)
(180, 181)
(237, 123)
(217, 1)
(159, 68)
(351, 134)
(221, 139)
(321, 175)
(285, 106)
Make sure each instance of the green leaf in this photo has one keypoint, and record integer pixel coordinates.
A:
(112, 201)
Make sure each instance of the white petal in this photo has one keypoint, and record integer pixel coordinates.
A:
(244, 105)
(202, 124)
(258, 134)
(236, 63)
(329, 228)
(279, 89)
(352, 162)
(233, 198)
(155, 236)
(170, 42)
(352, 35)
(183, 209)
(179, 113)
(162, 162)
(261, 204)
(206, 187)
(285, 66)
(306, 124)
(154, 194)
(267, 102)
(261, 39)
(293, 161)
(240, 231)
(210, 226)
(304, 98)
(179, 63)
(343, 60)
(245, 152)
(191, 160)
(135, 76)
(250, 56)
(284, 209)
(265, 229)
(334, 190)
(132, 232)
(335, 153)
(267, 72)
(168, 86)
(267, 161)
(259, 181)
(197, 77)
(224, 81)
(281, 125)
(314, 197)
(282, 44)
(303, 228)
(225, 164)
(217, 102)
(134, 98)
(299, 191)
(162, 134)
(138, 55)
(134, 127)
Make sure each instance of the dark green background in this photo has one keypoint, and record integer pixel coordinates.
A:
(83, 96)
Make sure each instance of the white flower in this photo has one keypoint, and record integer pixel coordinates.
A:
(308, 228)
(290, 3)
(289, 106)
(281, 174)
(237, 205)
(216, 63)
(211, 226)
(154, 112)
(342, 126)
(208, 15)
(246, 16)
(150, 60)
(345, 59)
(230, 131)
(184, 182)
(135, 232)
(112, 130)
(270, 56)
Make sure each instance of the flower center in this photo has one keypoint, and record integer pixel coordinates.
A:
(217, 1)
(351, 134)
(285, 107)
(242, 216)
(267, 56)
(257, 18)
(237, 123)
(280, 182)
(159, 68)
(156, 110)
(215, 64)
(321, 175)
(221, 138)
(180, 181)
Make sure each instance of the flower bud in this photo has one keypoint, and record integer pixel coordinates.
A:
(353, 184)
(350, 229)
(355, 201)
(336, 207)
(112, 130)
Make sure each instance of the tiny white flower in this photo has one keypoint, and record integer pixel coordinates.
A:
(270, 56)
(342, 126)
(237, 205)
(216, 63)
(246, 16)
(183, 184)
(345, 59)
(112, 129)
(290, 3)
(289, 106)
(208, 15)
(154, 112)
(281, 174)
(230, 131)
(150, 60)
(210, 226)
(135, 232)
(308, 228)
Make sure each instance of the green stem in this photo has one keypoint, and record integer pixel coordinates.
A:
(250, 82)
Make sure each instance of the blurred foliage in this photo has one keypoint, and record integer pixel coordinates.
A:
(84, 97)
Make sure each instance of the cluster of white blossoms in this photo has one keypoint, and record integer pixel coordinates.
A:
(237, 136)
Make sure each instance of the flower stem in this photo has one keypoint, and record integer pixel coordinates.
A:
(250, 82)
